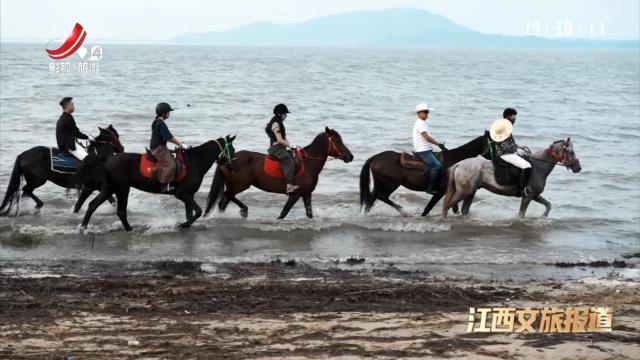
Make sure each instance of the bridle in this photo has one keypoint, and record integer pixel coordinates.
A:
(331, 145)
(113, 145)
(224, 150)
(561, 157)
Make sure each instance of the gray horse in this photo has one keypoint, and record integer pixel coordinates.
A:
(467, 176)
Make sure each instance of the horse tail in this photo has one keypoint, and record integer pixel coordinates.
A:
(217, 188)
(451, 189)
(365, 175)
(13, 188)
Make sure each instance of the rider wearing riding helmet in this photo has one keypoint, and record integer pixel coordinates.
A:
(279, 146)
(67, 132)
(160, 135)
(508, 150)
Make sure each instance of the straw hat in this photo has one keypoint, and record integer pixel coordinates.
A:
(500, 130)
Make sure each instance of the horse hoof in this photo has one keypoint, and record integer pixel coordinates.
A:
(244, 213)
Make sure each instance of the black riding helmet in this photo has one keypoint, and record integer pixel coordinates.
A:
(162, 108)
(280, 109)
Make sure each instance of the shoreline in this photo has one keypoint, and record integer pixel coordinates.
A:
(285, 309)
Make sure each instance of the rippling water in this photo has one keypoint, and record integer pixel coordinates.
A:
(367, 95)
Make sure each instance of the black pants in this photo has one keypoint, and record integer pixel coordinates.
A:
(287, 163)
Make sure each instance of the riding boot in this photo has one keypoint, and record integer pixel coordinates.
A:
(523, 189)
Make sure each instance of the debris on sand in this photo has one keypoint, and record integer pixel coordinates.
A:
(599, 263)
(20, 240)
(355, 260)
(183, 268)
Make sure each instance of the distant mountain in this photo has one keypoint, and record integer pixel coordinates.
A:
(380, 28)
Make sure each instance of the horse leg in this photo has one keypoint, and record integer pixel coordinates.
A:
(434, 200)
(466, 204)
(244, 209)
(524, 204)
(28, 189)
(189, 203)
(293, 198)
(95, 203)
(84, 194)
(123, 198)
(384, 191)
(306, 198)
(545, 202)
(453, 199)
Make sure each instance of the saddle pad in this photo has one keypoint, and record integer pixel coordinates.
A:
(63, 162)
(148, 167)
(272, 166)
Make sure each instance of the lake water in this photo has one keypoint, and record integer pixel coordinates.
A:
(366, 95)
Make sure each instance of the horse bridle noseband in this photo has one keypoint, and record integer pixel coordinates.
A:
(561, 158)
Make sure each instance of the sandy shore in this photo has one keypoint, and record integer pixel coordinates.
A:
(282, 310)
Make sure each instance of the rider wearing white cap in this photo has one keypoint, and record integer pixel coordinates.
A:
(422, 145)
(506, 147)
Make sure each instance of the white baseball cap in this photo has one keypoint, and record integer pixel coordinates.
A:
(423, 107)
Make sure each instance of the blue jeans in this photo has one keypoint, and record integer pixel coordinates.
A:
(430, 159)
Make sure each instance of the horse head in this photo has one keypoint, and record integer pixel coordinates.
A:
(227, 155)
(337, 148)
(110, 136)
(562, 151)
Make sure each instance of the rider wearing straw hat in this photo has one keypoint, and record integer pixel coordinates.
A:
(506, 147)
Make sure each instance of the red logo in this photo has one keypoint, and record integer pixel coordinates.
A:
(71, 45)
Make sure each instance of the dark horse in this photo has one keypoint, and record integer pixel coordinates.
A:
(123, 172)
(35, 165)
(389, 174)
(226, 185)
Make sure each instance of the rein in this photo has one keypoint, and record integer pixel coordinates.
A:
(224, 150)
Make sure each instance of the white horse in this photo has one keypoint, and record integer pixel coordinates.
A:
(467, 176)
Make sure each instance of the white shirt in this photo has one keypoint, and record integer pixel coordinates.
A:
(419, 142)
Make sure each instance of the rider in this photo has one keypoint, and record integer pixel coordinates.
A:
(160, 135)
(67, 132)
(508, 150)
(422, 146)
(279, 146)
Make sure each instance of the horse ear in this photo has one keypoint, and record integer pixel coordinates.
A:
(231, 138)
(326, 129)
(101, 129)
(569, 139)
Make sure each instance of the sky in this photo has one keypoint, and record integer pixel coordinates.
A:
(158, 20)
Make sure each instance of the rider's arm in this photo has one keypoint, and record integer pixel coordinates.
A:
(279, 138)
(77, 133)
(166, 134)
(428, 137)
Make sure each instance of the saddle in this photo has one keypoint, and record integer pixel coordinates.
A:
(506, 173)
(148, 165)
(63, 162)
(412, 161)
(272, 166)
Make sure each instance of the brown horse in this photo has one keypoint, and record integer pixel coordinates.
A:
(389, 174)
(250, 171)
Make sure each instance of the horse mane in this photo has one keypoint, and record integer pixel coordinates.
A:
(464, 150)
(318, 143)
